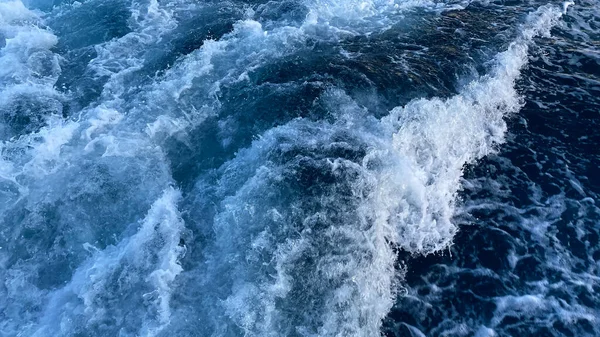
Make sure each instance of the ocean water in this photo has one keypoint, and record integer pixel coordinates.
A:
(299, 168)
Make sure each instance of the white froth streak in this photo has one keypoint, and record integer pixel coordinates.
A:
(540, 305)
(249, 46)
(149, 258)
(27, 47)
(365, 16)
(433, 140)
(32, 157)
(45, 149)
(59, 144)
(120, 57)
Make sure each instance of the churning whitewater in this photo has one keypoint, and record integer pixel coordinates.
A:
(245, 168)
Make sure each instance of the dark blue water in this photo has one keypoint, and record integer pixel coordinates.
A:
(299, 168)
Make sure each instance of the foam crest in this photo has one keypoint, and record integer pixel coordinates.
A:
(293, 230)
(187, 94)
(28, 71)
(76, 182)
(541, 305)
(367, 16)
(119, 58)
(141, 269)
(46, 154)
(437, 137)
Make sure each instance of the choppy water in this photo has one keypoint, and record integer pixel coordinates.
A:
(299, 168)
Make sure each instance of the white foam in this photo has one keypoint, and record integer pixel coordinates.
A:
(148, 260)
(46, 155)
(121, 57)
(247, 47)
(105, 117)
(25, 41)
(566, 5)
(435, 138)
(485, 332)
(338, 268)
(549, 308)
(414, 332)
(28, 67)
(340, 295)
(404, 191)
(356, 17)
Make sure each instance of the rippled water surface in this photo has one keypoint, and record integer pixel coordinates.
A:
(299, 168)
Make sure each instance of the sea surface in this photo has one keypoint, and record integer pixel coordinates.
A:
(299, 168)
